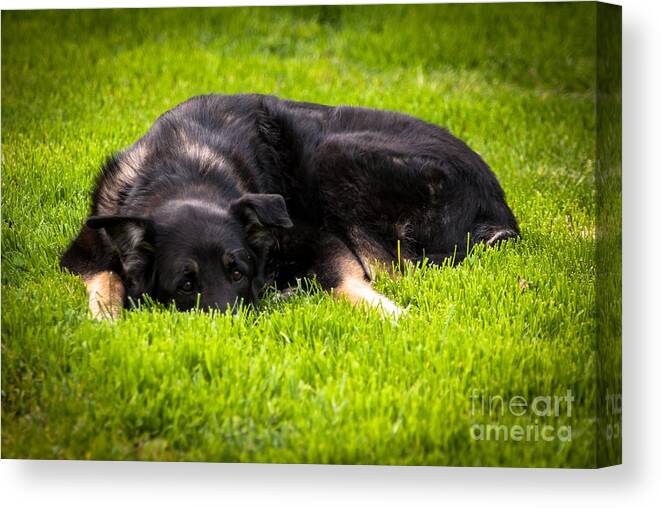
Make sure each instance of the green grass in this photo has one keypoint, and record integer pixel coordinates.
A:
(310, 379)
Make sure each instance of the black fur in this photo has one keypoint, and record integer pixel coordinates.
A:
(230, 193)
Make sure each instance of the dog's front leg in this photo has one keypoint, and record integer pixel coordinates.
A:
(343, 274)
(360, 293)
(105, 291)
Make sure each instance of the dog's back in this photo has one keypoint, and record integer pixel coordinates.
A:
(392, 185)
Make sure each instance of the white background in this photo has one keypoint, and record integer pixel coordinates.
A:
(636, 483)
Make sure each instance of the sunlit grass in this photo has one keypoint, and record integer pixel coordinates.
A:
(309, 378)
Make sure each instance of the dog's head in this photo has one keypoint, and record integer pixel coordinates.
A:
(197, 254)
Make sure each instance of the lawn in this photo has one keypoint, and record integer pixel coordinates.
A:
(309, 379)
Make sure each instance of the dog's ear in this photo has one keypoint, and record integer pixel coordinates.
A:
(263, 210)
(132, 239)
(259, 214)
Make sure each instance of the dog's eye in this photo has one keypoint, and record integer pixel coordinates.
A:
(236, 275)
(186, 286)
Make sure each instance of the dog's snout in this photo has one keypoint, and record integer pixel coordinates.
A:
(222, 304)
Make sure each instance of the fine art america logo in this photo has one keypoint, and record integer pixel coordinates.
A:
(541, 407)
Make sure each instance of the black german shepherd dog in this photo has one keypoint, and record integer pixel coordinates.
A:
(227, 194)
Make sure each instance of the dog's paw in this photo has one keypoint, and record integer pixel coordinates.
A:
(390, 310)
(105, 295)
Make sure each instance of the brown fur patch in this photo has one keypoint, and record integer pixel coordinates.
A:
(358, 291)
(374, 257)
(201, 153)
(105, 291)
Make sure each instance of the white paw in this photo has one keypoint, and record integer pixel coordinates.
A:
(389, 309)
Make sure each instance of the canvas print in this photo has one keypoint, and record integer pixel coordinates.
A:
(384, 234)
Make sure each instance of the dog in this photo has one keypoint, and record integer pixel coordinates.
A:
(227, 194)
